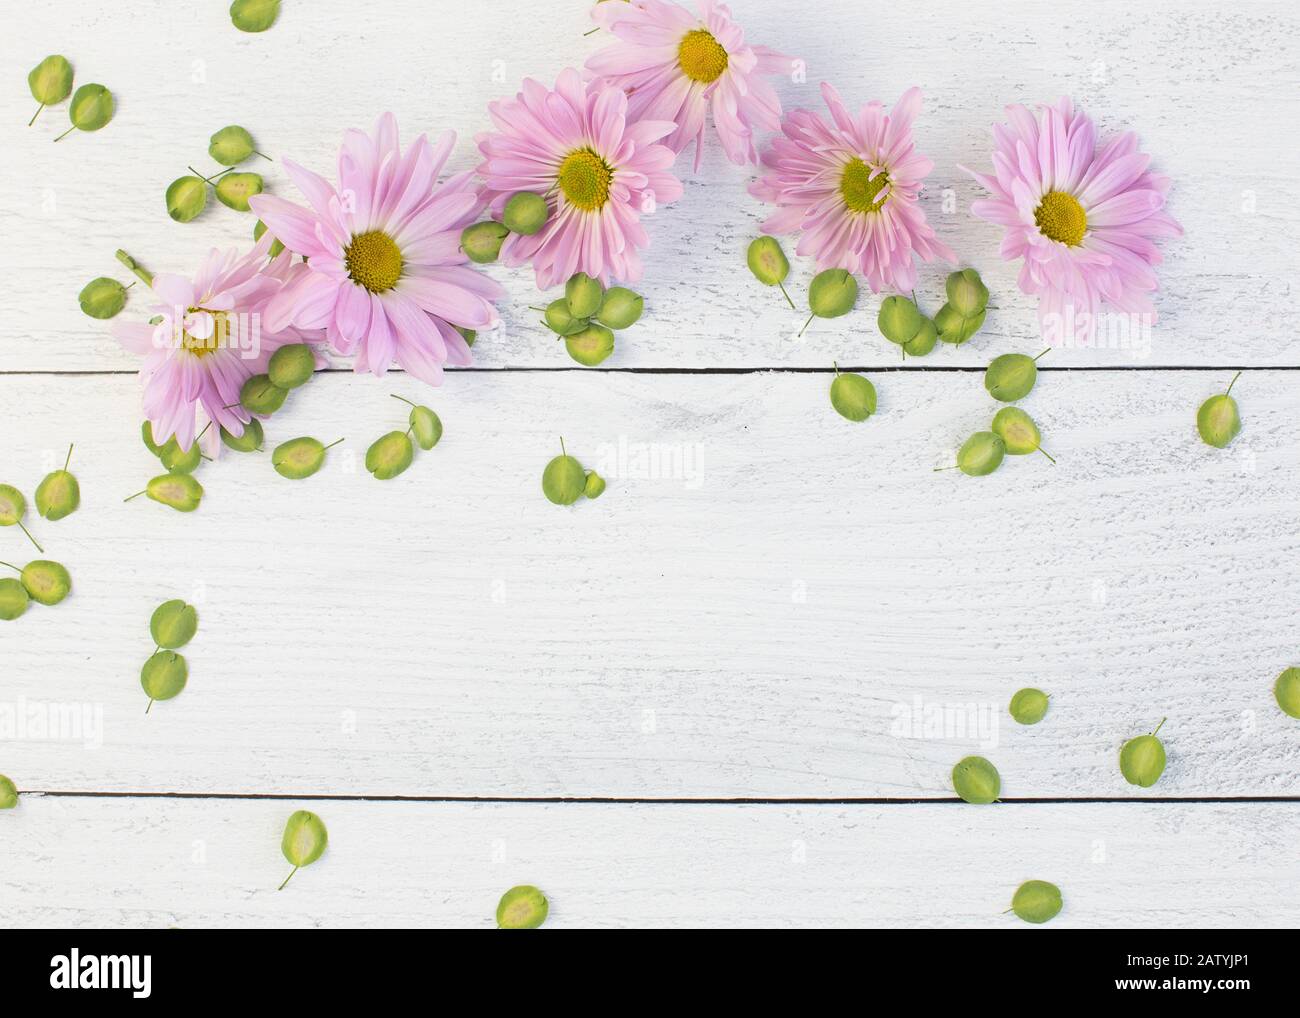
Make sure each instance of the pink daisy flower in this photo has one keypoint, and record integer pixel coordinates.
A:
(1084, 220)
(598, 169)
(386, 278)
(851, 187)
(212, 337)
(676, 66)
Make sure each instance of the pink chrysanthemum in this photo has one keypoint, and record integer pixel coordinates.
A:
(1084, 220)
(851, 187)
(598, 169)
(676, 66)
(386, 278)
(212, 337)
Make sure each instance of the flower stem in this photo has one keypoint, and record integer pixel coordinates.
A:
(333, 444)
(806, 324)
(208, 180)
(1161, 725)
(36, 114)
(1232, 383)
(787, 296)
(141, 273)
(69, 459)
(30, 538)
(288, 878)
(66, 133)
(402, 398)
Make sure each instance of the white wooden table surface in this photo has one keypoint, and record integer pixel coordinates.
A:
(731, 653)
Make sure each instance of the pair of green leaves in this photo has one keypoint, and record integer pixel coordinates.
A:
(391, 454)
(41, 580)
(172, 625)
(57, 496)
(50, 82)
(565, 480)
(188, 196)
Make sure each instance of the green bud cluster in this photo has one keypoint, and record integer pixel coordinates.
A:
(587, 315)
(963, 315)
(40, 580)
(565, 480)
(390, 454)
(187, 196)
(172, 625)
(525, 213)
(290, 367)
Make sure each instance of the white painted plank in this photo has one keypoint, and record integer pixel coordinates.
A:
(753, 620)
(1208, 88)
(77, 862)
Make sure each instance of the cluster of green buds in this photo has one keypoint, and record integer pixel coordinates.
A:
(304, 841)
(390, 454)
(50, 83)
(963, 315)
(172, 625)
(57, 496)
(525, 213)
(187, 196)
(176, 489)
(1218, 420)
(254, 15)
(565, 480)
(1142, 759)
(522, 908)
(852, 396)
(587, 316)
(290, 367)
(41, 580)
(900, 321)
(8, 793)
(105, 297)
(1013, 432)
(831, 294)
(976, 780)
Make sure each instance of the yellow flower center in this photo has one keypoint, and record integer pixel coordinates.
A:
(374, 261)
(214, 341)
(860, 189)
(585, 178)
(1061, 217)
(701, 56)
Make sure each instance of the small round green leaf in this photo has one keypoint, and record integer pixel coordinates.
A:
(1011, 377)
(186, 197)
(58, 495)
(1028, 706)
(981, 454)
(595, 485)
(102, 298)
(51, 80)
(234, 190)
(621, 308)
(967, 293)
(590, 346)
(176, 491)
(482, 241)
(1036, 901)
(180, 461)
(304, 841)
(231, 145)
(298, 458)
(291, 366)
(560, 320)
(47, 582)
(173, 624)
(524, 213)
(832, 293)
(522, 908)
(564, 480)
(254, 15)
(1142, 760)
(13, 507)
(853, 396)
(8, 793)
(259, 395)
(91, 108)
(390, 455)
(164, 675)
(259, 228)
(767, 261)
(976, 780)
(14, 598)
(1286, 690)
(426, 426)
(249, 441)
(584, 295)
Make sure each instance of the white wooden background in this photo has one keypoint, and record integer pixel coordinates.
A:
(440, 665)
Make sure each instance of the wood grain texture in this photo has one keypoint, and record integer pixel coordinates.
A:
(1210, 90)
(158, 863)
(754, 608)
